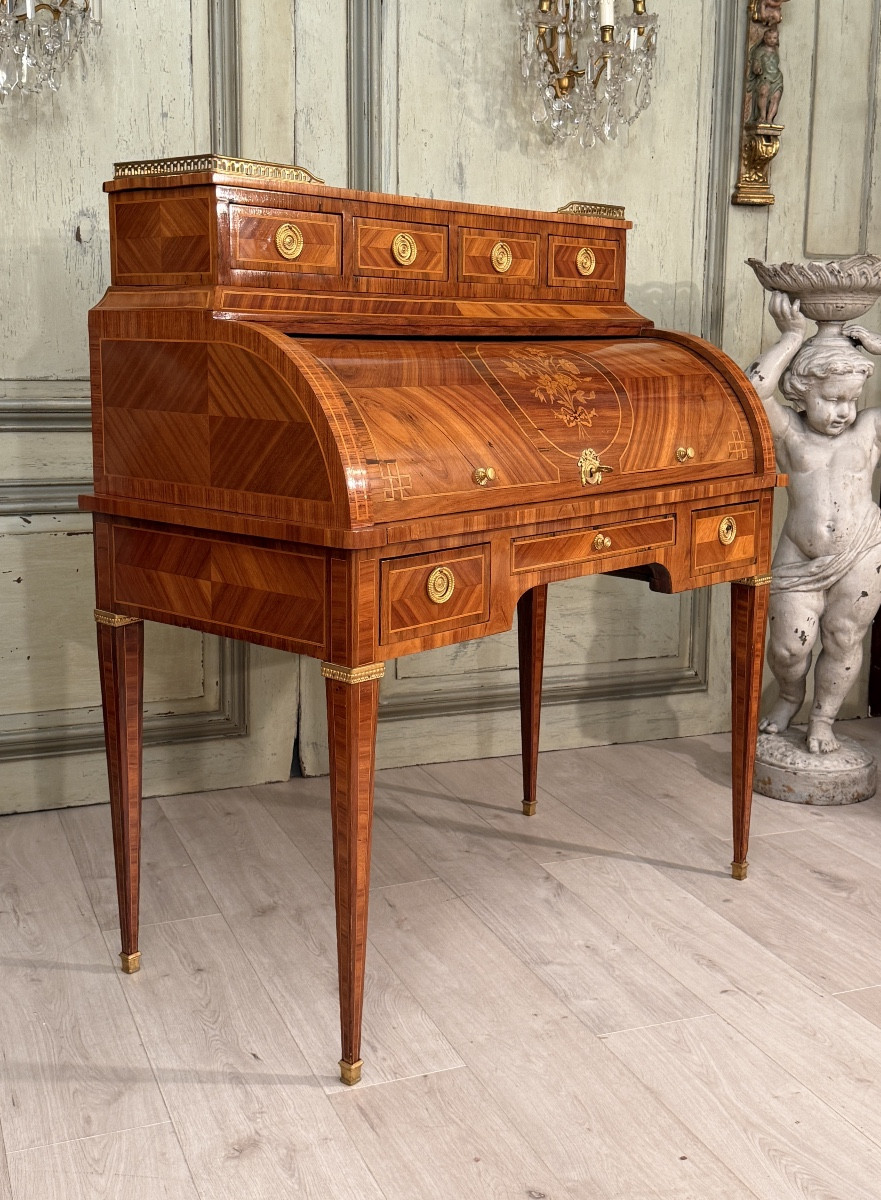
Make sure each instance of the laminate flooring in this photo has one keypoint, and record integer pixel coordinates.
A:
(581, 1005)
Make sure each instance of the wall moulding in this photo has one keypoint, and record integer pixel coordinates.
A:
(687, 672)
(84, 732)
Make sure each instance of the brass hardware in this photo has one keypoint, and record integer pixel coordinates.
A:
(353, 675)
(739, 869)
(289, 242)
(581, 208)
(755, 581)
(591, 468)
(350, 1073)
(131, 963)
(638, 7)
(404, 249)
(727, 530)
(501, 257)
(441, 583)
(529, 807)
(114, 620)
(602, 543)
(606, 34)
(586, 261)
(684, 452)
(197, 163)
(483, 475)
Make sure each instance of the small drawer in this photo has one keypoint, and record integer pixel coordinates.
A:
(269, 239)
(588, 262)
(585, 545)
(428, 593)
(487, 256)
(723, 537)
(399, 250)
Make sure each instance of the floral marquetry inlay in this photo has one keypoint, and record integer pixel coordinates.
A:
(559, 382)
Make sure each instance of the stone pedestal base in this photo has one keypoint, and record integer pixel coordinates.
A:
(786, 771)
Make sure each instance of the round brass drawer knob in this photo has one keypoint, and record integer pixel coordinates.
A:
(600, 542)
(289, 242)
(404, 249)
(727, 530)
(585, 261)
(501, 257)
(684, 453)
(483, 475)
(441, 583)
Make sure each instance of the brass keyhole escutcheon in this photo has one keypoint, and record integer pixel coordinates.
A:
(601, 542)
(441, 583)
(501, 257)
(483, 475)
(289, 242)
(684, 453)
(727, 530)
(591, 468)
(585, 261)
(404, 249)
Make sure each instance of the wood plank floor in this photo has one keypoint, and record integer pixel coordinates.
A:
(582, 1005)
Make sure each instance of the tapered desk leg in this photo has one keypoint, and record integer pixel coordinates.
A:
(352, 704)
(121, 662)
(749, 615)
(531, 614)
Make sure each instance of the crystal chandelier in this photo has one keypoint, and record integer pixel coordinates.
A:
(38, 38)
(589, 68)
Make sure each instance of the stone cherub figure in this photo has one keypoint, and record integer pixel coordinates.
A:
(826, 575)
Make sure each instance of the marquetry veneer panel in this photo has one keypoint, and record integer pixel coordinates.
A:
(155, 238)
(243, 588)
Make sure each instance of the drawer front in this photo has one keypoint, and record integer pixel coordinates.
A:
(588, 262)
(723, 537)
(266, 239)
(602, 544)
(400, 251)
(486, 256)
(428, 593)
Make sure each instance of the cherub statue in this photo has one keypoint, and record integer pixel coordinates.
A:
(826, 575)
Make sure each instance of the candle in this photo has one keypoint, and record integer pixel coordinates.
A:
(96, 10)
(30, 9)
(607, 12)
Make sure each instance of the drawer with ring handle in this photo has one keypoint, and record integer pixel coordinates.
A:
(723, 537)
(270, 239)
(427, 593)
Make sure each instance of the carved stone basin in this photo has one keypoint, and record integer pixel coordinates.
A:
(837, 291)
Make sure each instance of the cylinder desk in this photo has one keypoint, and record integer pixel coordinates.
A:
(357, 426)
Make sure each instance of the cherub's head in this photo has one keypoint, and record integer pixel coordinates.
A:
(771, 37)
(824, 382)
